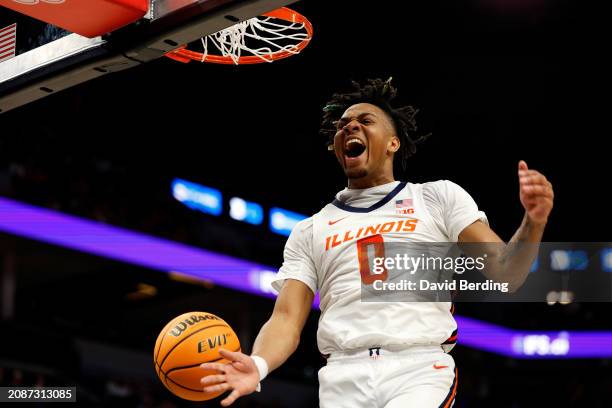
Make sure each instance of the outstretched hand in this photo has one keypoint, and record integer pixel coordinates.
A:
(536, 193)
(240, 375)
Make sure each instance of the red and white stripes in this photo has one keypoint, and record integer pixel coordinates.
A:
(8, 38)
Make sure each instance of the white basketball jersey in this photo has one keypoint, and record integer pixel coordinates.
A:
(330, 241)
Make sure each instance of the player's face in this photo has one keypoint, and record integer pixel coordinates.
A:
(365, 141)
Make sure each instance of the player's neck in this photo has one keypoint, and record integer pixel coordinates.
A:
(368, 182)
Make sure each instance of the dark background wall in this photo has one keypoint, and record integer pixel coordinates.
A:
(495, 82)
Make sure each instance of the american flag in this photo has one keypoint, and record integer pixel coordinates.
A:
(407, 202)
(8, 37)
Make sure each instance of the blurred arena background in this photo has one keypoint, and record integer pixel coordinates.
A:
(496, 81)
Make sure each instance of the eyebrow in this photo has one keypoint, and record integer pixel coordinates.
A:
(361, 115)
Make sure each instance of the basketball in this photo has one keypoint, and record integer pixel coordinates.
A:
(185, 343)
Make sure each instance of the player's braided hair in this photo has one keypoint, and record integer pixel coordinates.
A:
(380, 93)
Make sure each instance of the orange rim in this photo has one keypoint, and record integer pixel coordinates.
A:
(182, 54)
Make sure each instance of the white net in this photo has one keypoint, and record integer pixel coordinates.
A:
(260, 37)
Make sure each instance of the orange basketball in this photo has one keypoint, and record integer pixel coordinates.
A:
(186, 342)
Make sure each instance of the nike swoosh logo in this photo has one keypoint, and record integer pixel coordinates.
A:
(333, 222)
(437, 367)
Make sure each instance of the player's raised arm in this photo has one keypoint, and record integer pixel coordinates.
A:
(277, 340)
(511, 263)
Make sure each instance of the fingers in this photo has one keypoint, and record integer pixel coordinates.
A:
(532, 183)
(214, 366)
(231, 398)
(233, 355)
(536, 185)
(526, 173)
(548, 202)
(522, 165)
(533, 177)
(237, 376)
(240, 366)
(217, 387)
(212, 379)
(537, 190)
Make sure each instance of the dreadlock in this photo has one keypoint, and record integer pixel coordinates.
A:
(379, 93)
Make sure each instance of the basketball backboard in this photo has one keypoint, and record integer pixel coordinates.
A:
(39, 59)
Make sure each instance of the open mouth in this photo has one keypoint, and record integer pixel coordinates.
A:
(354, 147)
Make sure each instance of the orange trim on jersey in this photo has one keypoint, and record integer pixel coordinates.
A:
(451, 339)
(448, 401)
(454, 392)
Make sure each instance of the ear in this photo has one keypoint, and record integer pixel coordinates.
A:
(394, 144)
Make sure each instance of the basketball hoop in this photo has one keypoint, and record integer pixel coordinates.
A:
(272, 36)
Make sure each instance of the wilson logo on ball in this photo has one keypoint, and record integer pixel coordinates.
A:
(190, 321)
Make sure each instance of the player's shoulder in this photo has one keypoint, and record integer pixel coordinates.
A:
(304, 225)
(440, 191)
(439, 186)
(433, 189)
(301, 233)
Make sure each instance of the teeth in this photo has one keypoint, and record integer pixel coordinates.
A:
(351, 141)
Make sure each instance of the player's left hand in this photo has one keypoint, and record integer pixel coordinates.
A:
(536, 193)
(239, 375)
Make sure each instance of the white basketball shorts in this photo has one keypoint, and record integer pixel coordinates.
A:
(415, 377)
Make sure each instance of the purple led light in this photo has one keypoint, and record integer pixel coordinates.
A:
(484, 336)
(132, 247)
(533, 344)
(123, 245)
(576, 344)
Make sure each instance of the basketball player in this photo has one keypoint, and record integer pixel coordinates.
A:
(380, 354)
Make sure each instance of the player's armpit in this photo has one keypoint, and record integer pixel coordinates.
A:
(487, 242)
(477, 239)
(294, 300)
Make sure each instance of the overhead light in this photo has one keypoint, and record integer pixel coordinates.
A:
(283, 221)
(261, 279)
(560, 260)
(197, 197)
(246, 211)
(565, 260)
